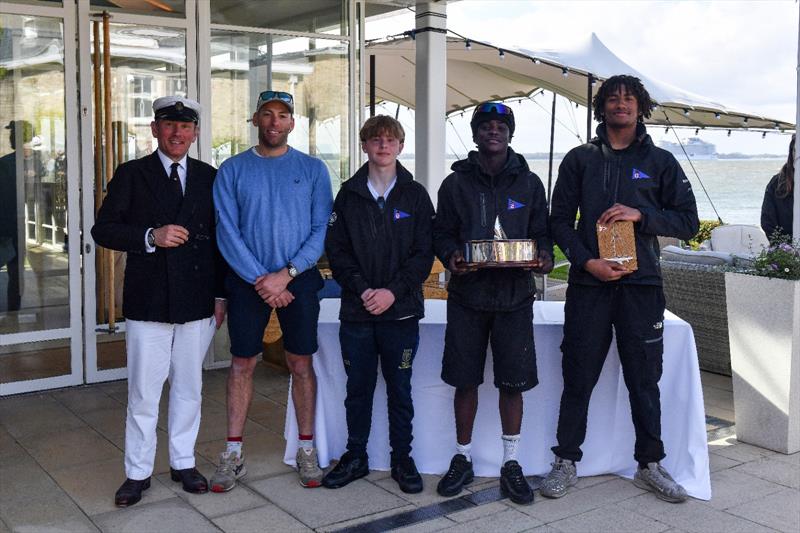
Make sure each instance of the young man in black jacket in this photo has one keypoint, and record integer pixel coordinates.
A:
(492, 184)
(617, 176)
(379, 248)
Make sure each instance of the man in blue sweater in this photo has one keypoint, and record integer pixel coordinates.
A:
(273, 204)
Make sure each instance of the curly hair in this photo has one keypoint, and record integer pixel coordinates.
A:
(786, 176)
(633, 85)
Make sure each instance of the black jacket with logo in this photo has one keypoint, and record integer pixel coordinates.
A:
(469, 202)
(370, 248)
(592, 177)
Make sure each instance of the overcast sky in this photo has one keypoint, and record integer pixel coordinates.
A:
(742, 54)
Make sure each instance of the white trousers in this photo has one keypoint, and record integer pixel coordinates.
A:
(156, 352)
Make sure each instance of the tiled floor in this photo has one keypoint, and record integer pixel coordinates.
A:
(61, 461)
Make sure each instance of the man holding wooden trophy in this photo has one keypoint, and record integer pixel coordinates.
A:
(491, 232)
(628, 191)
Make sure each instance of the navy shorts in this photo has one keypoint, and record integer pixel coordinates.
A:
(248, 315)
(467, 336)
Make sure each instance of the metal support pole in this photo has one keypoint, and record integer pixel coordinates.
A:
(552, 137)
(372, 85)
(589, 107)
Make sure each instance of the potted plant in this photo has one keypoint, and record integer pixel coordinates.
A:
(764, 331)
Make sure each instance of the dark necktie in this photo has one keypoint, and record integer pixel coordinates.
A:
(381, 202)
(175, 180)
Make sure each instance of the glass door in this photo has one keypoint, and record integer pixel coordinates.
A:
(40, 325)
(148, 59)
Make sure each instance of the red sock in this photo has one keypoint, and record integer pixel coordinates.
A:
(235, 439)
(305, 437)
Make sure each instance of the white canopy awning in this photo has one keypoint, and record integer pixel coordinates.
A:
(482, 73)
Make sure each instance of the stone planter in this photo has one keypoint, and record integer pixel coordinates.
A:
(764, 333)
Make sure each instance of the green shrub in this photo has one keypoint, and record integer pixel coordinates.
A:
(704, 233)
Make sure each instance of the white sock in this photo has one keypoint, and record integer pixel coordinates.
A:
(464, 450)
(510, 444)
(234, 446)
(307, 445)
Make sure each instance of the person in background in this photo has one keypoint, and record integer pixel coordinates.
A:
(778, 204)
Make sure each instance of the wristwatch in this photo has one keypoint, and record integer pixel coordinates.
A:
(293, 272)
(151, 238)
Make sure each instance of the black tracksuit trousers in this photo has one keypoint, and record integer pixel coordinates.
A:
(636, 313)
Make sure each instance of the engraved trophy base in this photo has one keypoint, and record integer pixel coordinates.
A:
(501, 253)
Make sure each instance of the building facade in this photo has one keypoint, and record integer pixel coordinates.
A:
(76, 90)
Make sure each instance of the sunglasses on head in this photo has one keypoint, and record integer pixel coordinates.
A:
(493, 107)
(277, 95)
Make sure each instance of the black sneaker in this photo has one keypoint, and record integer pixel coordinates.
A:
(459, 474)
(349, 468)
(513, 484)
(405, 472)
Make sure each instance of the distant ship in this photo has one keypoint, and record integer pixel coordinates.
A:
(696, 147)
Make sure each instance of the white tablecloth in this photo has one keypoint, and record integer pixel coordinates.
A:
(610, 436)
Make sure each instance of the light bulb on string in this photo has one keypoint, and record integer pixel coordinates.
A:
(536, 60)
(468, 45)
(502, 54)
(764, 135)
(564, 72)
(729, 133)
(685, 112)
(717, 116)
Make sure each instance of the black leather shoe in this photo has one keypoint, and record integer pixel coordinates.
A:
(405, 472)
(131, 492)
(349, 468)
(459, 474)
(513, 484)
(193, 481)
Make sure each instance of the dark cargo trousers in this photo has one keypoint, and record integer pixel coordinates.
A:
(636, 313)
(394, 343)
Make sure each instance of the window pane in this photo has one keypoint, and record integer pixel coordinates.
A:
(312, 16)
(34, 266)
(313, 70)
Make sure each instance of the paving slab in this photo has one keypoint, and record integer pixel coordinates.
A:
(738, 451)
(779, 511)
(167, 515)
(710, 380)
(692, 515)
(720, 398)
(774, 470)
(580, 501)
(268, 413)
(268, 517)
(609, 518)
(793, 458)
(93, 488)
(11, 450)
(35, 415)
(473, 513)
(362, 520)
(79, 524)
(507, 521)
(319, 507)
(590, 481)
(718, 462)
(109, 422)
(212, 504)
(437, 524)
(72, 447)
(84, 399)
(730, 488)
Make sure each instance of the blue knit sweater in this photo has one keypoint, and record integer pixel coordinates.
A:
(271, 211)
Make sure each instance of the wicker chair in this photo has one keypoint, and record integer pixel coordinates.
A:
(696, 293)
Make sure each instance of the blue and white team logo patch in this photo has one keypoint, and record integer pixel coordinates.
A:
(400, 214)
(639, 175)
(513, 204)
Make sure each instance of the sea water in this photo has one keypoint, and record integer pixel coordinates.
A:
(735, 186)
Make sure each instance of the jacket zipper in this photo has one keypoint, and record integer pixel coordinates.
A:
(483, 210)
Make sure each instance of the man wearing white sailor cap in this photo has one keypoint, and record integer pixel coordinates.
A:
(159, 209)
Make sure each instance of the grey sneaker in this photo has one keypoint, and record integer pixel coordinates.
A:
(308, 466)
(656, 479)
(562, 476)
(231, 467)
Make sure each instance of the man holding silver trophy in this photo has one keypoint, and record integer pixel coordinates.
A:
(491, 231)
